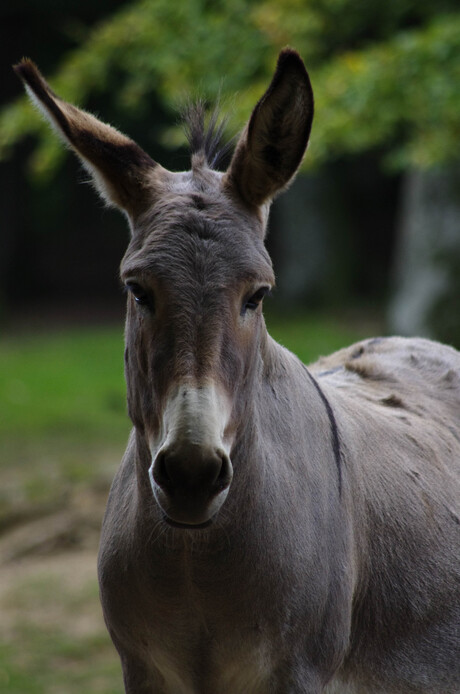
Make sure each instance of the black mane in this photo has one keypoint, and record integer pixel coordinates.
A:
(206, 137)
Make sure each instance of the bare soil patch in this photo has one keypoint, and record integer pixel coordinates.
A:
(52, 633)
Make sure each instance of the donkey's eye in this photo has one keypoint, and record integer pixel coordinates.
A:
(141, 296)
(253, 301)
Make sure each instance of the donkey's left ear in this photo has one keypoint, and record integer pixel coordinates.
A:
(272, 146)
(118, 166)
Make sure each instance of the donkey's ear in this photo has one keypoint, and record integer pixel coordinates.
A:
(118, 166)
(272, 146)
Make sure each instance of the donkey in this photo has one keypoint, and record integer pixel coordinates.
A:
(272, 529)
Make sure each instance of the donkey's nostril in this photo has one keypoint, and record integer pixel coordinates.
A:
(160, 472)
(225, 475)
(190, 482)
(193, 470)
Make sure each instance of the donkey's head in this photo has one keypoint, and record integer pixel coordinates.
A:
(196, 271)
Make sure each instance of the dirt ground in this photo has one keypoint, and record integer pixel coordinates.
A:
(52, 633)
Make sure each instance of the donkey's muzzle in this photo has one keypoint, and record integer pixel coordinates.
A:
(191, 483)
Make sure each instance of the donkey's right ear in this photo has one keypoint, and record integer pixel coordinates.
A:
(118, 166)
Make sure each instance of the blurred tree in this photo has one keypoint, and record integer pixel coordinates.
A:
(385, 73)
(427, 272)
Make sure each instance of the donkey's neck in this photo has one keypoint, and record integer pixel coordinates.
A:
(295, 397)
(279, 394)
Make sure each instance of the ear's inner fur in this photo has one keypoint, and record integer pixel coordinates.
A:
(117, 165)
(271, 149)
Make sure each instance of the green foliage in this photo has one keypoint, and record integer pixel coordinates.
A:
(385, 73)
(403, 94)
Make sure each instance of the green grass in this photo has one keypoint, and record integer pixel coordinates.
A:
(68, 382)
(62, 408)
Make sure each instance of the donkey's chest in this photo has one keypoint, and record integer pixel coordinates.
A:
(226, 665)
(202, 637)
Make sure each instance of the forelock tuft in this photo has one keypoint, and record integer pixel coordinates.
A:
(205, 136)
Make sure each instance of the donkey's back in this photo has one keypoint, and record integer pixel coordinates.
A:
(397, 402)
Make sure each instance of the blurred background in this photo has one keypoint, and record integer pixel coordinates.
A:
(366, 241)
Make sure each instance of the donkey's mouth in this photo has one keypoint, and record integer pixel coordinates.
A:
(187, 526)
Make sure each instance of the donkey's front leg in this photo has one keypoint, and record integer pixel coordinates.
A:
(300, 678)
(138, 679)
